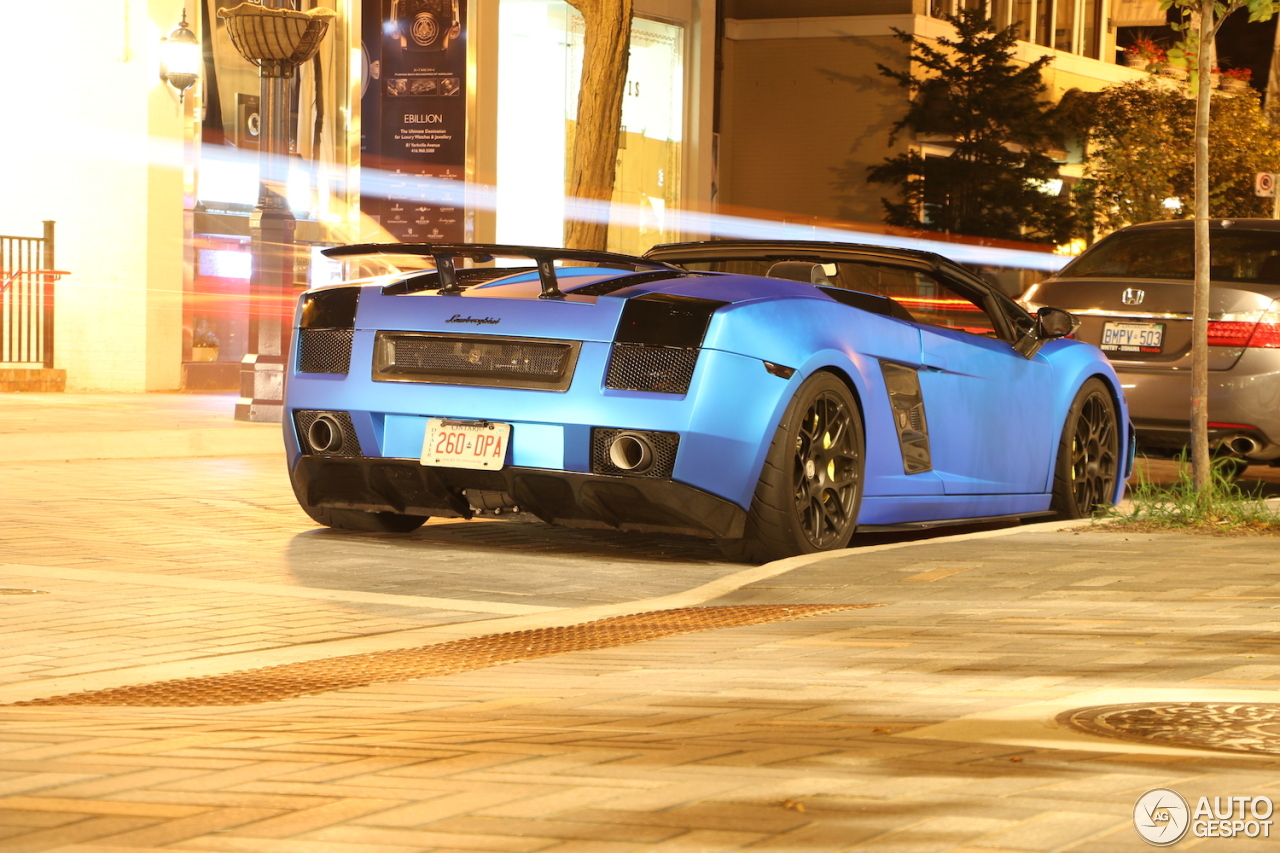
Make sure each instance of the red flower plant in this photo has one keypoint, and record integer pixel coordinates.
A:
(1148, 50)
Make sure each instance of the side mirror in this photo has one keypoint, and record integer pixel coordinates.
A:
(1055, 323)
(1050, 323)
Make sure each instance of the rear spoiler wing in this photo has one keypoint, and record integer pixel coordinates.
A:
(444, 254)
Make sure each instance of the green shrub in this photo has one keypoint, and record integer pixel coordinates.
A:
(1223, 508)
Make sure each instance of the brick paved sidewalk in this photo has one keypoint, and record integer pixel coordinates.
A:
(801, 735)
(923, 724)
(56, 427)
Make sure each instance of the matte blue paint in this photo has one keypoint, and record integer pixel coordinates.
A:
(986, 407)
(994, 417)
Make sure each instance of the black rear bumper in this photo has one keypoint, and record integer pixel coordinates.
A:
(568, 498)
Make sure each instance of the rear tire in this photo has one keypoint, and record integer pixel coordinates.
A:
(810, 490)
(1084, 477)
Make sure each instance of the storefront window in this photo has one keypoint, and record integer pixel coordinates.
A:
(536, 119)
(320, 187)
(532, 101)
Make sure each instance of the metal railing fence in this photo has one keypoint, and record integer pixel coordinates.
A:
(27, 276)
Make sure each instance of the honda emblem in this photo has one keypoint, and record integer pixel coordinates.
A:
(1133, 296)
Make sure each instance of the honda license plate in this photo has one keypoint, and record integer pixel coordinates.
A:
(465, 444)
(1132, 337)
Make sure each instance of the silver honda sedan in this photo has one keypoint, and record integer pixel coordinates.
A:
(1133, 294)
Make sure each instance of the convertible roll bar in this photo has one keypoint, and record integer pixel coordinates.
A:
(443, 254)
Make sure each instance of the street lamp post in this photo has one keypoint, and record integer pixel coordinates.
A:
(277, 40)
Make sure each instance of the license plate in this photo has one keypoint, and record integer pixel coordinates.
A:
(1132, 337)
(465, 444)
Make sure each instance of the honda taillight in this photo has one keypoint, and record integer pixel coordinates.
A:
(1266, 335)
(1262, 333)
(1229, 333)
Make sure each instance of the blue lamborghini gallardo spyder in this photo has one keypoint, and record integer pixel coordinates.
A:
(777, 397)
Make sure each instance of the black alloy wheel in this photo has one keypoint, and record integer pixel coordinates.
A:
(825, 469)
(809, 492)
(1088, 455)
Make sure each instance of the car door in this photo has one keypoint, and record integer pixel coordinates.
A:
(987, 404)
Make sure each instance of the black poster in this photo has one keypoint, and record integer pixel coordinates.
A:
(414, 118)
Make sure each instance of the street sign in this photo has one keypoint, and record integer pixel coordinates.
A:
(1264, 184)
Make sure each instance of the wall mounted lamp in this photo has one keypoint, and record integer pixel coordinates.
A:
(180, 58)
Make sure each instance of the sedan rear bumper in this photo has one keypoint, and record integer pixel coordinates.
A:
(1246, 397)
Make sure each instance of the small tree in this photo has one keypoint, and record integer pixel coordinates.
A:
(1134, 156)
(991, 109)
(1211, 14)
(1141, 153)
(605, 52)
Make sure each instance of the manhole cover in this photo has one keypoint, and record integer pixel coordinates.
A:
(1222, 726)
(289, 681)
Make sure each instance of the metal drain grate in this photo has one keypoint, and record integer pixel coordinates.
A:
(1220, 726)
(289, 681)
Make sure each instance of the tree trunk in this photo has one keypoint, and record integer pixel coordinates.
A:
(1273, 74)
(606, 49)
(1200, 470)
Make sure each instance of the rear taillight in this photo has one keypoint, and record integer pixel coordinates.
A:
(1262, 333)
(1229, 333)
(1265, 336)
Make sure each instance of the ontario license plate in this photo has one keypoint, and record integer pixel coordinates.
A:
(1132, 337)
(465, 444)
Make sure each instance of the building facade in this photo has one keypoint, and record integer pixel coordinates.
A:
(152, 190)
(802, 103)
(752, 106)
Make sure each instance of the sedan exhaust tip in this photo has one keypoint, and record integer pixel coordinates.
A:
(1243, 445)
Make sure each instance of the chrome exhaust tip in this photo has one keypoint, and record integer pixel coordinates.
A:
(325, 435)
(1243, 445)
(632, 452)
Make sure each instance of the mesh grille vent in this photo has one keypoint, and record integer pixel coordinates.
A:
(637, 367)
(458, 360)
(665, 445)
(324, 350)
(304, 418)
(428, 354)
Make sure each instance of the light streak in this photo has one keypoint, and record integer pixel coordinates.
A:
(417, 189)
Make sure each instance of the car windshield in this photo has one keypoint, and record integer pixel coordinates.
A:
(1247, 256)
